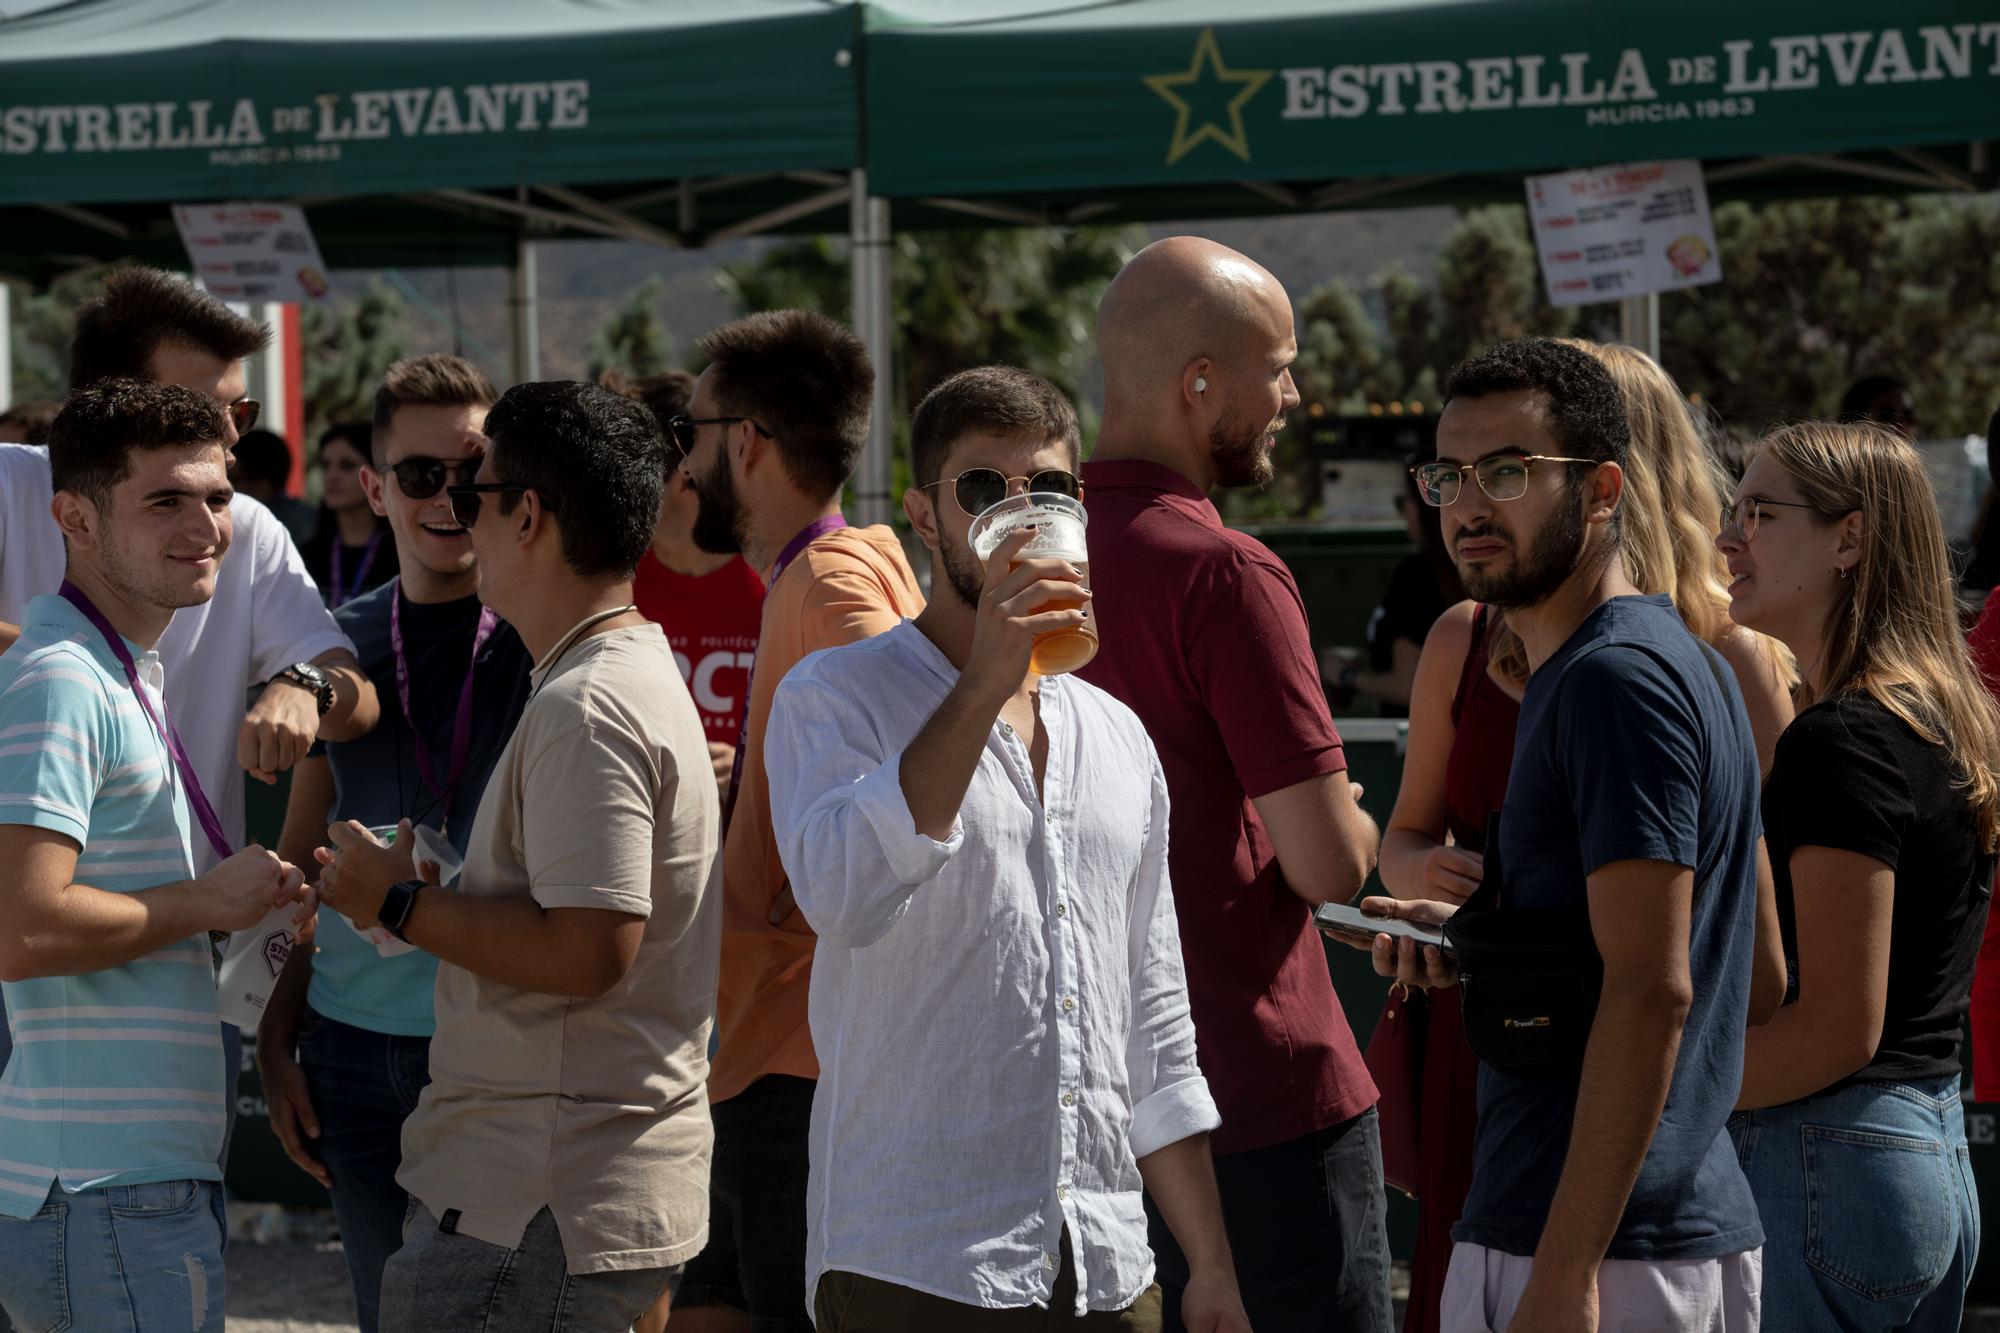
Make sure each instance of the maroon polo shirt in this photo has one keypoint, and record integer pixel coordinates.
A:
(1203, 635)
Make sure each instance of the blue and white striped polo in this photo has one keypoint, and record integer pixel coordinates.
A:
(117, 1076)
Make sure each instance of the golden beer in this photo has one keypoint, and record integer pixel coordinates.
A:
(1059, 535)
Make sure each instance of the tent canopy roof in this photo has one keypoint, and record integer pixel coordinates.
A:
(456, 127)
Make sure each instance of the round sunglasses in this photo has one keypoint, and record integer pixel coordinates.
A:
(979, 489)
(244, 413)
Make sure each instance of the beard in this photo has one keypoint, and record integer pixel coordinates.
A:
(146, 585)
(1238, 450)
(961, 569)
(1553, 555)
(718, 517)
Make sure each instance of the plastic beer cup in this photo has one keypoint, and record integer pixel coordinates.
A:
(1059, 535)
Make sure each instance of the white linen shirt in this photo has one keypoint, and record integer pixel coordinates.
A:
(1001, 1018)
(266, 614)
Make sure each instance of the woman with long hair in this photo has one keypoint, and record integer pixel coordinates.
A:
(352, 550)
(1463, 711)
(1881, 814)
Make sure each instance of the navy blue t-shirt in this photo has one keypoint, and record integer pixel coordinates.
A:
(1633, 745)
(376, 778)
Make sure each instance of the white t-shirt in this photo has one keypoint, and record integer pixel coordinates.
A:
(265, 615)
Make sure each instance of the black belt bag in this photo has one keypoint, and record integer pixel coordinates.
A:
(1528, 978)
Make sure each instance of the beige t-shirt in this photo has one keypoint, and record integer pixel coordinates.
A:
(594, 1109)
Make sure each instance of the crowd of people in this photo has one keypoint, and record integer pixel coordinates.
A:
(698, 926)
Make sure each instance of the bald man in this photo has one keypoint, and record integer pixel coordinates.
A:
(1204, 636)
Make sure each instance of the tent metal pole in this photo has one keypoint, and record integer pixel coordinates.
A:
(6, 346)
(521, 302)
(868, 252)
(1639, 323)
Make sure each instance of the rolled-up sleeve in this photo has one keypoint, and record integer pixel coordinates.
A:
(845, 833)
(1170, 1098)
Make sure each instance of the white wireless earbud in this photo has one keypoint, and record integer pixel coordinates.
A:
(1200, 384)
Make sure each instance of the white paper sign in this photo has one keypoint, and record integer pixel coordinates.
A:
(1623, 231)
(253, 252)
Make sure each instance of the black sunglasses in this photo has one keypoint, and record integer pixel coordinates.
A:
(465, 501)
(420, 477)
(978, 489)
(681, 428)
(244, 412)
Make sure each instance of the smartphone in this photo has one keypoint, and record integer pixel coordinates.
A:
(1351, 923)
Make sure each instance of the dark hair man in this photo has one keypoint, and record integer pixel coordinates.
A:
(262, 471)
(558, 1159)
(775, 426)
(110, 1197)
(1197, 341)
(709, 604)
(1884, 400)
(984, 850)
(1611, 1197)
(345, 1043)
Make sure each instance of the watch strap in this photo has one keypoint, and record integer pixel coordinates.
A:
(397, 905)
(307, 676)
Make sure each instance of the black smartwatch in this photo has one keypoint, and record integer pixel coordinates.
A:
(312, 678)
(396, 906)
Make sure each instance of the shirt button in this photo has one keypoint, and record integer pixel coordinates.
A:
(1069, 1099)
(1052, 1262)
(1062, 1193)
(1062, 909)
(1006, 730)
(1069, 1003)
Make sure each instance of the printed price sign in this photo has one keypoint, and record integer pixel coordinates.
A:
(253, 252)
(1623, 231)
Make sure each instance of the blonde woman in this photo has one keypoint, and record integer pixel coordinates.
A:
(1881, 815)
(1463, 708)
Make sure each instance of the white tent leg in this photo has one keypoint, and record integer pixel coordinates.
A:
(6, 346)
(868, 242)
(1639, 323)
(526, 318)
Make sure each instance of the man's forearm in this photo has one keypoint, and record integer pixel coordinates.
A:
(514, 941)
(938, 765)
(1181, 1180)
(1627, 1069)
(286, 1008)
(88, 930)
(355, 708)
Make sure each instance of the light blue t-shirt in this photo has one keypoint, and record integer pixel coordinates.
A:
(116, 1076)
(377, 781)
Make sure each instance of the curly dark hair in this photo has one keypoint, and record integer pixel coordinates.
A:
(596, 459)
(1586, 411)
(92, 438)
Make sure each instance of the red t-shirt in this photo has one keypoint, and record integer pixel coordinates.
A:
(1203, 636)
(711, 624)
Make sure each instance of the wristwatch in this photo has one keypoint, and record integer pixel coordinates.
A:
(396, 906)
(312, 678)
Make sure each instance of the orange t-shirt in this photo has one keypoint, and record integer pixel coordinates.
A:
(850, 584)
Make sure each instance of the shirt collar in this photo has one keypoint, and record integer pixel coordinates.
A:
(1141, 474)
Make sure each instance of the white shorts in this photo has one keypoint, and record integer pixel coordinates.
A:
(1724, 1295)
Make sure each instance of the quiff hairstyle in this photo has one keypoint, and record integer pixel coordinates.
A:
(435, 380)
(138, 309)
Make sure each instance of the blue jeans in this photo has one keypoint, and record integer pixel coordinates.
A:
(1307, 1224)
(442, 1282)
(124, 1259)
(1871, 1218)
(364, 1086)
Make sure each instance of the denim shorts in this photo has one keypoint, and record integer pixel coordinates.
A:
(1871, 1217)
(122, 1259)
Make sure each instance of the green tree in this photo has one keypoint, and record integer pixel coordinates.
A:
(1817, 293)
(634, 342)
(43, 322)
(1023, 297)
(347, 346)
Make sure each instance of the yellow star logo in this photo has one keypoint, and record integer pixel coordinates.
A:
(1250, 80)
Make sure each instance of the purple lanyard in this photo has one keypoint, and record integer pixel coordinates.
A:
(811, 533)
(163, 725)
(461, 732)
(340, 592)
